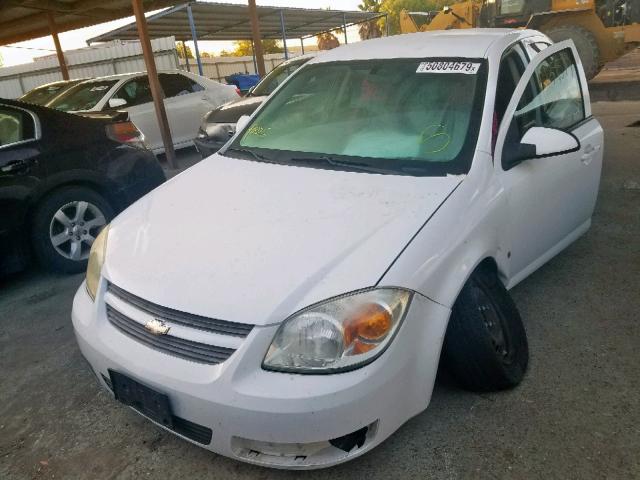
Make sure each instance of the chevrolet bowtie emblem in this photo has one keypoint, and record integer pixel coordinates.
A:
(157, 327)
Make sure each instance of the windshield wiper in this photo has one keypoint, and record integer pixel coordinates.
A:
(359, 166)
(255, 155)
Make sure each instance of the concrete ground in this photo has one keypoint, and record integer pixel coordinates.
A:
(575, 416)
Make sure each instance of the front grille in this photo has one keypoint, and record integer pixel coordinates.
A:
(181, 318)
(178, 347)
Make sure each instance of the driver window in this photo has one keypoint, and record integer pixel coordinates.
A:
(557, 100)
(511, 69)
(135, 92)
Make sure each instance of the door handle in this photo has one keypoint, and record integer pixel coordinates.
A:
(15, 166)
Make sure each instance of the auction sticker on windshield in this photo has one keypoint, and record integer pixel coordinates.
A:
(469, 68)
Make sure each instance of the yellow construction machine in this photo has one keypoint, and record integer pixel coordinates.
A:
(602, 30)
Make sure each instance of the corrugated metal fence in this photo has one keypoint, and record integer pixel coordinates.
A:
(217, 68)
(108, 59)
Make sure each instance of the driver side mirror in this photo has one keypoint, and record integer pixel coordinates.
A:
(117, 102)
(538, 142)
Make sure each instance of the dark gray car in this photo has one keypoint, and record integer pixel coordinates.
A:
(219, 125)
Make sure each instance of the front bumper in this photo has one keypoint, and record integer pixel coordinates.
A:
(269, 418)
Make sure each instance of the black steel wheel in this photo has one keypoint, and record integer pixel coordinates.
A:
(485, 347)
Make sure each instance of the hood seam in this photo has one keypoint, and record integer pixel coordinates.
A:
(416, 234)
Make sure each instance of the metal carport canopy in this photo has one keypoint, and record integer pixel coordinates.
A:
(24, 20)
(223, 21)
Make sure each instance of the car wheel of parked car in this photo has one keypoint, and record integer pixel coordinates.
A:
(65, 225)
(485, 346)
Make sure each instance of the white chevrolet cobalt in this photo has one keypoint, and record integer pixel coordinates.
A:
(287, 301)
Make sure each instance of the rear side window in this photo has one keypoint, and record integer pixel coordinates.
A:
(174, 85)
(557, 100)
(15, 126)
(135, 92)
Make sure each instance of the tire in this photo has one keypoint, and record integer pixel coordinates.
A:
(71, 218)
(585, 42)
(485, 347)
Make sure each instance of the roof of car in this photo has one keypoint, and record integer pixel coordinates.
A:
(299, 59)
(121, 76)
(467, 43)
(59, 82)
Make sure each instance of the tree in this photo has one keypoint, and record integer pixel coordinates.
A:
(180, 49)
(244, 48)
(372, 29)
(327, 41)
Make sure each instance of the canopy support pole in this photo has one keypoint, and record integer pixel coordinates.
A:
(386, 24)
(54, 33)
(284, 35)
(253, 54)
(257, 40)
(194, 35)
(302, 45)
(154, 82)
(344, 27)
(186, 57)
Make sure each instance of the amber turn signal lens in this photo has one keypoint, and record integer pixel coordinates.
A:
(367, 327)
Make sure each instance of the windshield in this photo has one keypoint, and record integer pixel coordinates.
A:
(413, 116)
(41, 95)
(83, 96)
(276, 77)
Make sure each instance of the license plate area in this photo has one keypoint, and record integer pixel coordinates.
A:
(147, 401)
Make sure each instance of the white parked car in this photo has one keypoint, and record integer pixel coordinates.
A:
(285, 302)
(187, 98)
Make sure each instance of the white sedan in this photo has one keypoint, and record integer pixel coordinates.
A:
(187, 98)
(286, 301)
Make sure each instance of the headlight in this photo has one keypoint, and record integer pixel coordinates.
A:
(339, 334)
(96, 259)
(219, 132)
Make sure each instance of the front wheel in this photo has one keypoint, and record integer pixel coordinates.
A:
(485, 347)
(65, 225)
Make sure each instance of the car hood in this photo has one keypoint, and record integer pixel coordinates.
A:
(252, 242)
(231, 112)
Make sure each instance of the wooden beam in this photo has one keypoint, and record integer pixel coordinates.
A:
(54, 33)
(154, 82)
(257, 38)
(19, 27)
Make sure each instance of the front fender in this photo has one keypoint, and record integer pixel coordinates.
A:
(468, 228)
